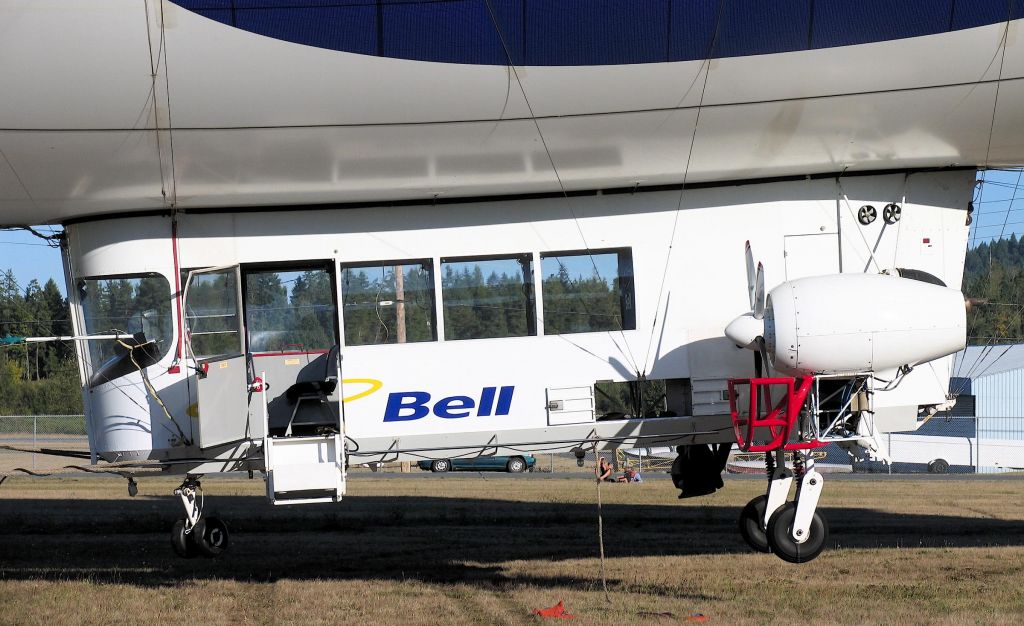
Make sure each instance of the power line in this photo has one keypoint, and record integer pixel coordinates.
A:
(1016, 187)
(25, 243)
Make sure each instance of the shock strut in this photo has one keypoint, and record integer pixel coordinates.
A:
(798, 465)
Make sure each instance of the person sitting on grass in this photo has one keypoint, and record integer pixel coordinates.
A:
(630, 475)
(604, 471)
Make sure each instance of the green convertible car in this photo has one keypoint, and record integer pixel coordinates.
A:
(481, 463)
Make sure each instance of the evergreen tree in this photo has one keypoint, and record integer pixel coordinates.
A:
(36, 378)
(993, 272)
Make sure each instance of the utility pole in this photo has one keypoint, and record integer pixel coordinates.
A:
(400, 302)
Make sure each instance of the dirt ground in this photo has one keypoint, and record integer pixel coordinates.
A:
(487, 549)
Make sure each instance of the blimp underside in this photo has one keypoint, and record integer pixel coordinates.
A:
(300, 232)
(124, 105)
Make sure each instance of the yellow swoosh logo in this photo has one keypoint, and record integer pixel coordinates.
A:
(373, 386)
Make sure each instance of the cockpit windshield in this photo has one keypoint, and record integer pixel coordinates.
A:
(139, 306)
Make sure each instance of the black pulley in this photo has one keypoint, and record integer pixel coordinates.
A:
(867, 214)
(892, 213)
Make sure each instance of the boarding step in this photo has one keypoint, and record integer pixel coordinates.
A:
(305, 470)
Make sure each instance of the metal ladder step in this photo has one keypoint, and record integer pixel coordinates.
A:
(305, 470)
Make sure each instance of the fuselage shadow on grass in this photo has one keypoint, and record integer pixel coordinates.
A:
(432, 539)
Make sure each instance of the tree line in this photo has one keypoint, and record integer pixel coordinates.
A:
(36, 378)
(994, 272)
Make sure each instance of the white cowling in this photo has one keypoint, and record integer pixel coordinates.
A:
(856, 323)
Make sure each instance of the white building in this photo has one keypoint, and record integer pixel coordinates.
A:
(984, 432)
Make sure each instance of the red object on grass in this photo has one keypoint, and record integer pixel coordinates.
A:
(557, 612)
(697, 617)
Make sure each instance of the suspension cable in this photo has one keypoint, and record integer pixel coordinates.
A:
(705, 67)
(554, 168)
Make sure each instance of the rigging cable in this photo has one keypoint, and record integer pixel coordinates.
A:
(990, 341)
(554, 168)
(152, 392)
(899, 224)
(991, 132)
(977, 198)
(853, 216)
(705, 67)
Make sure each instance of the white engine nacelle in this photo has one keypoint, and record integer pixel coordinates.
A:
(855, 323)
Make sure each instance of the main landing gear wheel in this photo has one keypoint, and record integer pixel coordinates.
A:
(183, 543)
(210, 535)
(752, 524)
(441, 465)
(782, 543)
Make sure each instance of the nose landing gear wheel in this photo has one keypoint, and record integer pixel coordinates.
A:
(211, 536)
(183, 543)
(752, 524)
(780, 536)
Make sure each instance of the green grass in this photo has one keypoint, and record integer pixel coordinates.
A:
(466, 549)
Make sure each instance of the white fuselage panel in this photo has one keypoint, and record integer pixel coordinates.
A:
(688, 274)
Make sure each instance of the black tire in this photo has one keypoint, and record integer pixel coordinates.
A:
(441, 465)
(752, 524)
(516, 465)
(939, 466)
(782, 543)
(211, 536)
(183, 543)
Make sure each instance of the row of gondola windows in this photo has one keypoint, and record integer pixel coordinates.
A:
(381, 303)
(488, 297)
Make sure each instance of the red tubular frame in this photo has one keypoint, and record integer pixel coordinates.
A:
(779, 419)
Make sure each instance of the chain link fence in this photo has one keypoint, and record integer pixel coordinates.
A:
(956, 445)
(60, 432)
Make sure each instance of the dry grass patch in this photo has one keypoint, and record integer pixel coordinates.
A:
(465, 549)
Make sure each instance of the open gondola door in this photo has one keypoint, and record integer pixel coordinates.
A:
(215, 346)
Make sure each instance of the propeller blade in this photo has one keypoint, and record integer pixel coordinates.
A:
(750, 275)
(758, 367)
(758, 302)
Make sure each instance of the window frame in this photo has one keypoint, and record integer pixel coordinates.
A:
(92, 368)
(327, 265)
(628, 321)
(243, 345)
(531, 317)
(422, 261)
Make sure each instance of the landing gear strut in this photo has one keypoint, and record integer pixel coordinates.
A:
(194, 534)
(793, 531)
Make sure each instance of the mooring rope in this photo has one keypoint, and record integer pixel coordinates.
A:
(600, 541)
